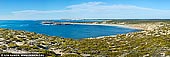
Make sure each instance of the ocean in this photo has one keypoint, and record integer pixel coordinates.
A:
(65, 31)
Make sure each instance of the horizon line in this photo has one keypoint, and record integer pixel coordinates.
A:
(95, 18)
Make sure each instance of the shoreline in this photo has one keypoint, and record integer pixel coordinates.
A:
(123, 26)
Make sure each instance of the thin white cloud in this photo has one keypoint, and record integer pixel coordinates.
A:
(36, 11)
(92, 10)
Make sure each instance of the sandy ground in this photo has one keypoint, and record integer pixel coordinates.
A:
(124, 26)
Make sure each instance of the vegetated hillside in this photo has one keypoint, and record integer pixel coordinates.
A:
(133, 21)
(137, 44)
(12, 41)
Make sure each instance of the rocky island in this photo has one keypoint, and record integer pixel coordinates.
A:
(55, 23)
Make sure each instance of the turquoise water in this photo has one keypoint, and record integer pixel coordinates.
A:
(66, 31)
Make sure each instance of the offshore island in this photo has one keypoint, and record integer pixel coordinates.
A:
(153, 40)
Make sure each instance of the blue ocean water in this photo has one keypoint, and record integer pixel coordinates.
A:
(66, 31)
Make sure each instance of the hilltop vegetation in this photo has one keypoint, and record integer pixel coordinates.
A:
(146, 43)
(133, 21)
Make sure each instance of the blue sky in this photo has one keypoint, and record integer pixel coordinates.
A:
(59, 9)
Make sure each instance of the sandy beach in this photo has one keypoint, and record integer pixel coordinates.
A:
(124, 26)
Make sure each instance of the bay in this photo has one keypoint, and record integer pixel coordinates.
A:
(67, 31)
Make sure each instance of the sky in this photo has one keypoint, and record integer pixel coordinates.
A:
(84, 9)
